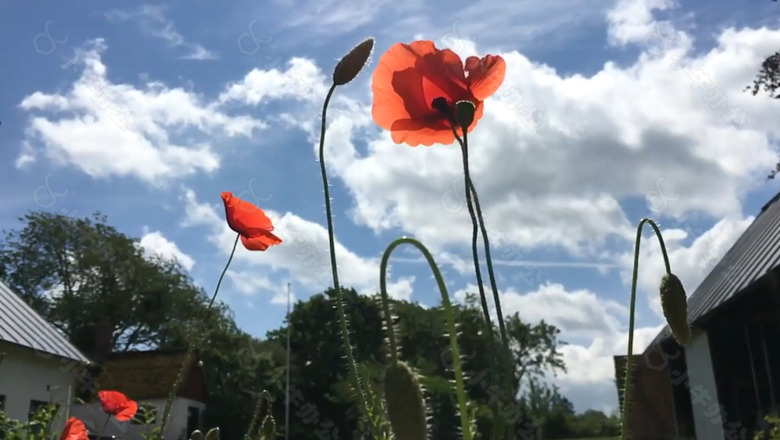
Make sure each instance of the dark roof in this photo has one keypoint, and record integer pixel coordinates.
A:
(145, 375)
(21, 325)
(756, 252)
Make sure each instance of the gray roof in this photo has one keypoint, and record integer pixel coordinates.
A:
(755, 252)
(21, 325)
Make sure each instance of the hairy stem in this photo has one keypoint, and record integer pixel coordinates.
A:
(460, 389)
(475, 229)
(629, 356)
(485, 239)
(355, 379)
(191, 348)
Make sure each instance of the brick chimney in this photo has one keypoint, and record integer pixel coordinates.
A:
(103, 341)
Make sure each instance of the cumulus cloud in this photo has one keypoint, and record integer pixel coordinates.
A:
(556, 156)
(139, 125)
(155, 243)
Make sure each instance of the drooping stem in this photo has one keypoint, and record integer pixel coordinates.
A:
(355, 379)
(460, 390)
(485, 239)
(630, 354)
(191, 348)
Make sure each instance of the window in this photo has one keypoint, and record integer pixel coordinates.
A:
(35, 406)
(2, 402)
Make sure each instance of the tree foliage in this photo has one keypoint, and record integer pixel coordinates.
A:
(78, 272)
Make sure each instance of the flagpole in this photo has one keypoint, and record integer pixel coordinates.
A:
(287, 392)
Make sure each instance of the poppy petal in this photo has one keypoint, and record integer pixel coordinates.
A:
(243, 217)
(260, 242)
(485, 75)
(74, 430)
(127, 412)
(409, 77)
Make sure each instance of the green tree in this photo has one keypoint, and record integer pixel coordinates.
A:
(79, 272)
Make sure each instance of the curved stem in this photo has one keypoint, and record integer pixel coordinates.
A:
(486, 241)
(191, 348)
(331, 241)
(445, 299)
(386, 306)
(629, 356)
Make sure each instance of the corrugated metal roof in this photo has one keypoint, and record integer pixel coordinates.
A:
(755, 252)
(21, 325)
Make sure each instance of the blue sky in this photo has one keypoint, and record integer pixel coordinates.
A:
(226, 97)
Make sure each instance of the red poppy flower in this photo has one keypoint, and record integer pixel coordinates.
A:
(416, 86)
(74, 430)
(250, 222)
(118, 405)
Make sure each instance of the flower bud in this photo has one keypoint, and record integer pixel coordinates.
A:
(352, 63)
(405, 403)
(675, 307)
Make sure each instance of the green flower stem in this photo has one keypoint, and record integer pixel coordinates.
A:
(191, 348)
(469, 191)
(486, 241)
(629, 357)
(474, 252)
(445, 299)
(265, 396)
(331, 241)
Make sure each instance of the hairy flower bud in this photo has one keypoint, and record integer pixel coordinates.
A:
(405, 403)
(675, 307)
(353, 62)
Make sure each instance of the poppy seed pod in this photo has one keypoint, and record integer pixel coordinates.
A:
(675, 307)
(353, 62)
(405, 404)
(464, 113)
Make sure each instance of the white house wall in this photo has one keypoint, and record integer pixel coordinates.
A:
(704, 394)
(27, 375)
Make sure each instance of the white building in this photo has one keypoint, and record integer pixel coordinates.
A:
(40, 364)
(147, 377)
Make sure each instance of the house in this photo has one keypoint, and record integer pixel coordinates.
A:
(148, 377)
(727, 378)
(39, 365)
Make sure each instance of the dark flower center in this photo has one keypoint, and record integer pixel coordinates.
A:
(442, 106)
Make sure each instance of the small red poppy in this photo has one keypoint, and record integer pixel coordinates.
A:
(118, 405)
(74, 430)
(416, 86)
(250, 222)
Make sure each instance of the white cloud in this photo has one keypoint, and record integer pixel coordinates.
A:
(109, 129)
(152, 20)
(155, 243)
(632, 20)
(559, 180)
(303, 255)
(594, 329)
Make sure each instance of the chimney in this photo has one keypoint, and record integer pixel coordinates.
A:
(104, 336)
